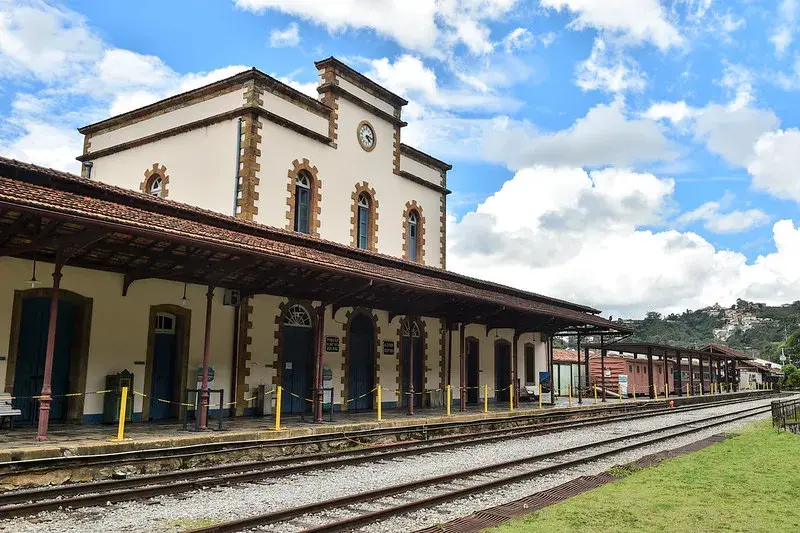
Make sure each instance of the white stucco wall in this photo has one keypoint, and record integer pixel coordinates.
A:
(201, 165)
(295, 113)
(364, 95)
(171, 119)
(420, 170)
(119, 325)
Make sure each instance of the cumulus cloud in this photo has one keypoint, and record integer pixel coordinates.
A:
(289, 36)
(675, 112)
(633, 20)
(588, 236)
(609, 71)
(716, 218)
(775, 164)
(786, 27)
(425, 26)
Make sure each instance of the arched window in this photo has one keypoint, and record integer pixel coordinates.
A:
(415, 332)
(298, 317)
(302, 207)
(413, 236)
(155, 186)
(363, 221)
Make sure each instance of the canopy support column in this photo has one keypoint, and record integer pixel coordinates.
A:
(650, 386)
(46, 400)
(410, 365)
(318, 349)
(203, 406)
(462, 369)
(580, 382)
(666, 374)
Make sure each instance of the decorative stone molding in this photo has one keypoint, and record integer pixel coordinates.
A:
(376, 335)
(283, 308)
(400, 366)
(372, 230)
(396, 148)
(151, 174)
(443, 222)
(249, 167)
(316, 196)
(413, 206)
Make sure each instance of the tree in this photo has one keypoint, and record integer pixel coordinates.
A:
(791, 376)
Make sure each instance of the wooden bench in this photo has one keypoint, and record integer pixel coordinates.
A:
(7, 411)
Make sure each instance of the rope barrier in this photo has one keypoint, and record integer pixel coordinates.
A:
(68, 395)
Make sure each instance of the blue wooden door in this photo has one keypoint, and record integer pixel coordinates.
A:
(163, 378)
(298, 363)
(32, 350)
(472, 356)
(361, 363)
(502, 371)
(419, 370)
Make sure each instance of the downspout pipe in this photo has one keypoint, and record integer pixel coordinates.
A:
(237, 310)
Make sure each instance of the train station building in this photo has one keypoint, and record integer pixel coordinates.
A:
(243, 236)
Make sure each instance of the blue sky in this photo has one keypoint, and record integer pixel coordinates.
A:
(631, 154)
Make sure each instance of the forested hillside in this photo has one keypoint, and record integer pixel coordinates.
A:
(754, 328)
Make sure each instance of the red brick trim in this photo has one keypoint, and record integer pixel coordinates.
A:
(376, 333)
(372, 230)
(151, 174)
(413, 206)
(316, 196)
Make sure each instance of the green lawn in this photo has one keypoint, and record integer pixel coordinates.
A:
(747, 483)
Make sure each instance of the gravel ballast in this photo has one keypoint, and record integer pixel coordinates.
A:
(190, 509)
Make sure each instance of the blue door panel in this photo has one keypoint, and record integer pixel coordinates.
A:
(298, 361)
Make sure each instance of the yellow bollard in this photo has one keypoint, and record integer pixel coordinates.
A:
(486, 398)
(569, 392)
(655, 391)
(122, 412)
(666, 392)
(634, 391)
(540, 395)
(380, 401)
(448, 399)
(595, 394)
(511, 397)
(701, 390)
(687, 390)
(278, 408)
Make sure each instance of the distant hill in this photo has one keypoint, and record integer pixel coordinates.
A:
(754, 328)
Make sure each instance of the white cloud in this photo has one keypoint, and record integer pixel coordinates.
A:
(519, 38)
(714, 218)
(634, 20)
(732, 133)
(609, 71)
(287, 37)
(430, 27)
(775, 165)
(783, 34)
(586, 237)
(675, 112)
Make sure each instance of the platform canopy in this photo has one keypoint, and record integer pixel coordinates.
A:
(58, 217)
(664, 350)
(727, 351)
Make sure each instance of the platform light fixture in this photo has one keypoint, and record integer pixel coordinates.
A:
(184, 299)
(33, 281)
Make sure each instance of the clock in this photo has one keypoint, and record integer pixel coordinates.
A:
(366, 135)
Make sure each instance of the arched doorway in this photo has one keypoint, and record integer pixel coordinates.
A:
(419, 369)
(298, 360)
(32, 351)
(164, 367)
(361, 362)
(502, 370)
(473, 366)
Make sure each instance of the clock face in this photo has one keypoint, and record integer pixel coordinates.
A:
(366, 136)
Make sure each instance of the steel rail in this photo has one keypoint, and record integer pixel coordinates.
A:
(99, 493)
(365, 518)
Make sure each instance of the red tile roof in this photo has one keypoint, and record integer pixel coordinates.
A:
(54, 192)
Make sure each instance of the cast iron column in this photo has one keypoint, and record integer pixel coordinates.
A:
(318, 364)
(586, 362)
(603, 369)
(666, 376)
(552, 378)
(46, 400)
(650, 386)
(691, 374)
(206, 354)
(702, 379)
(580, 383)
(462, 370)
(409, 320)
(514, 372)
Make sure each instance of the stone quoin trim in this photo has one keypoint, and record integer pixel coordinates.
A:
(396, 149)
(413, 206)
(372, 230)
(443, 226)
(244, 355)
(151, 174)
(249, 153)
(376, 335)
(400, 366)
(316, 196)
(331, 100)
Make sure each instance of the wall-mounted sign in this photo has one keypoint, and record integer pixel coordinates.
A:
(288, 365)
(331, 344)
(211, 373)
(388, 347)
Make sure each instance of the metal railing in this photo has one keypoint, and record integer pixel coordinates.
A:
(786, 415)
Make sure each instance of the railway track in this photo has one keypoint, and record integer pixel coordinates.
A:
(359, 509)
(424, 430)
(27, 502)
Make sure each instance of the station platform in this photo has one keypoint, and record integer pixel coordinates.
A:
(94, 439)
